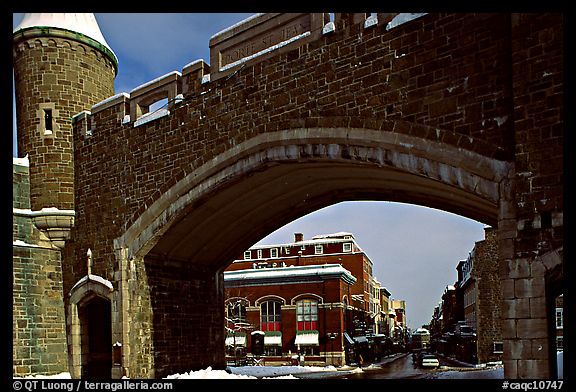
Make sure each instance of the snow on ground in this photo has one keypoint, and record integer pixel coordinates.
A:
(239, 372)
(254, 372)
(61, 376)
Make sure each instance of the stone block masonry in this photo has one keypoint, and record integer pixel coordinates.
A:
(483, 84)
(38, 321)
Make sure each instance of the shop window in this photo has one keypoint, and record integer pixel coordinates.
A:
(307, 315)
(271, 316)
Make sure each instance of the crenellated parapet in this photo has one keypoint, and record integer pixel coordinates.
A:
(248, 42)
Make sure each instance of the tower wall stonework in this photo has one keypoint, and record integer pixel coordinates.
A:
(57, 74)
(65, 77)
(39, 325)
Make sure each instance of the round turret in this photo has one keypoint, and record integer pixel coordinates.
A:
(62, 66)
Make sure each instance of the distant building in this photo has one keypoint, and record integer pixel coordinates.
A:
(464, 324)
(482, 313)
(308, 296)
(421, 339)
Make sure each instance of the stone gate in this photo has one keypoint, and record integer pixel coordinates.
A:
(460, 112)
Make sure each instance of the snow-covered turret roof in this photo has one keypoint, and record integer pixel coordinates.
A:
(83, 23)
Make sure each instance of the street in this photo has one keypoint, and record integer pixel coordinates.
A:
(403, 368)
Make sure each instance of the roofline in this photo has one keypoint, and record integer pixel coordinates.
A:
(307, 273)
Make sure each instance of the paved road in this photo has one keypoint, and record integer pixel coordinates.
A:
(403, 368)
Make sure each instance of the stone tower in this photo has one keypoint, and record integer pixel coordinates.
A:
(62, 66)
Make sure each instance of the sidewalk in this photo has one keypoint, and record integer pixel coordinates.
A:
(348, 369)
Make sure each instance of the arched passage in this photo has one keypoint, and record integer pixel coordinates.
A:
(185, 239)
(272, 179)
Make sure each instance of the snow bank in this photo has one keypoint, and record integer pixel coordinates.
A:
(63, 375)
(252, 372)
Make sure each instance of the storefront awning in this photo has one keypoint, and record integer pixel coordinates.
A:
(307, 338)
(273, 338)
(239, 339)
(349, 340)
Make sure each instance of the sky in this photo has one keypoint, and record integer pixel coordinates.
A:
(414, 249)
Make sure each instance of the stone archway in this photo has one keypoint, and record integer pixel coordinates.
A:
(90, 325)
(176, 245)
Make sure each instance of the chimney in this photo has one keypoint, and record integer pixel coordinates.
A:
(298, 237)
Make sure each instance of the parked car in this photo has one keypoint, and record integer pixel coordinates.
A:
(429, 360)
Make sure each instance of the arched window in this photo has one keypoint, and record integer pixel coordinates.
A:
(307, 315)
(271, 316)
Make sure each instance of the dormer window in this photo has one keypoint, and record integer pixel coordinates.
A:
(347, 247)
(318, 249)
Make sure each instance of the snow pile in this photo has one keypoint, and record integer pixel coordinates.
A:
(63, 375)
(208, 373)
(252, 372)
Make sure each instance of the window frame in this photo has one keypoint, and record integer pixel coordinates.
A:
(271, 319)
(307, 314)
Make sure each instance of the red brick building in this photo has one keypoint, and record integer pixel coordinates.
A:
(306, 297)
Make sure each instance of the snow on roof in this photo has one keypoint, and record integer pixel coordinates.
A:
(264, 51)
(333, 235)
(289, 272)
(95, 278)
(42, 212)
(84, 23)
(155, 80)
(24, 244)
(317, 239)
(21, 161)
(236, 25)
(104, 101)
(151, 116)
(403, 18)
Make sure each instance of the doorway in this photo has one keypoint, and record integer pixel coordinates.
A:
(96, 327)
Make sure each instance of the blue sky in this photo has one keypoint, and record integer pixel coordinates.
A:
(414, 249)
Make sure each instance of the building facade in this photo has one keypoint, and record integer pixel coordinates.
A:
(313, 297)
(467, 322)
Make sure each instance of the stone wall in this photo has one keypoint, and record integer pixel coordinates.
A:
(489, 297)
(431, 78)
(486, 83)
(39, 325)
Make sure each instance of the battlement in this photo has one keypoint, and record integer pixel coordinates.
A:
(248, 42)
